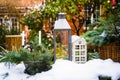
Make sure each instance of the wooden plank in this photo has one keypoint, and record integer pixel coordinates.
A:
(13, 42)
(110, 51)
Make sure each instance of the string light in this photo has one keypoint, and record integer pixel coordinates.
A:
(108, 1)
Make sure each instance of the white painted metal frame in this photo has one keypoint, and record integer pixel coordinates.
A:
(79, 50)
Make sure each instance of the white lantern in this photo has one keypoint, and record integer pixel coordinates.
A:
(79, 49)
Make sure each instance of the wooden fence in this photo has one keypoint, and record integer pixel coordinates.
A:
(110, 51)
(13, 42)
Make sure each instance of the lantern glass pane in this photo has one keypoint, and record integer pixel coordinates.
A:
(62, 44)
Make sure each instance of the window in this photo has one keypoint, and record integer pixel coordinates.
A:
(77, 59)
(14, 22)
(77, 53)
(77, 47)
(10, 22)
(92, 12)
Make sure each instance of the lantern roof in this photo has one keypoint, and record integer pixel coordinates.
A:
(75, 38)
(61, 23)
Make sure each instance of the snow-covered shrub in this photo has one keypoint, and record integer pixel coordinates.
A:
(37, 61)
(93, 55)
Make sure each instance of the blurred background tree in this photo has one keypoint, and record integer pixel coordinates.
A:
(46, 15)
(107, 29)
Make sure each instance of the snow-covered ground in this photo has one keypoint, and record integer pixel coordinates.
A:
(65, 70)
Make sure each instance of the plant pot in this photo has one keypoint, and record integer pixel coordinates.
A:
(33, 67)
(104, 78)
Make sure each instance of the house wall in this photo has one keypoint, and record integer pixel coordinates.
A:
(12, 10)
(17, 6)
(20, 3)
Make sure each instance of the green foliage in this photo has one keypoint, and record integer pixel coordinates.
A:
(33, 37)
(4, 31)
(37, 61)
(2, 53)
(47, 41)
(93, 55)
(13, 31)
(33, 20)
(51, 9)
(73, 9)
(12, 57)
(109, 9)
(40, 60)
(93, 38)
(26, 55)
(104, 26)
(2, 34)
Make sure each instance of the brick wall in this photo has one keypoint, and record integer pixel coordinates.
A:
(19, 3)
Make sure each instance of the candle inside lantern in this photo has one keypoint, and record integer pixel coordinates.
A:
(39, 37)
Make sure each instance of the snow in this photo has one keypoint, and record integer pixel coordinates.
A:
(74, 38)
(64, 70)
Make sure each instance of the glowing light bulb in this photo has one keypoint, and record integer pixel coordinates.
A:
(108, 1)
